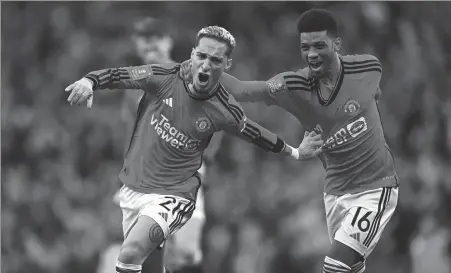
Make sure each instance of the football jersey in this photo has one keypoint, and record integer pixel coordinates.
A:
(130, 101)
(355, 154)
(174, 126)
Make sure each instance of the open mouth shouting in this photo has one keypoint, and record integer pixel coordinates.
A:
(316, 65)
(203, 79)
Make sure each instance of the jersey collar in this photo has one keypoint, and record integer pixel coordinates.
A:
(334, 93)
(196, 96)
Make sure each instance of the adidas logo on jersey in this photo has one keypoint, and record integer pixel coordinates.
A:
(168, 101)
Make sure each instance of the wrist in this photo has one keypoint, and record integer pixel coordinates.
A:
(91, 81)
(293, 152)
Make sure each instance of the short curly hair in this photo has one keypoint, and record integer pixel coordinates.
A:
(220, 34)
(318, 20)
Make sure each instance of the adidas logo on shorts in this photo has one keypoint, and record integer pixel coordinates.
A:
(164, 215)
(356, 236)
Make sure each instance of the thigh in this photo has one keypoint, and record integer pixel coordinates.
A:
(143, 239)
(367, 214)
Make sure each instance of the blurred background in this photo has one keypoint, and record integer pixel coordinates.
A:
(264, 213)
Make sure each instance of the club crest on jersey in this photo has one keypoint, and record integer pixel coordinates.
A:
(351, 107)
(202, 124)
(275, 87)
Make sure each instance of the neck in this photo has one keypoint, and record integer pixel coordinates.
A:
(332, 74)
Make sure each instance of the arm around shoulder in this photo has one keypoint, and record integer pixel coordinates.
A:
(246, 91)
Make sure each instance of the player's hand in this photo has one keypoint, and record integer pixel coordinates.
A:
(310, 146)
(185, 71)
(80, 91)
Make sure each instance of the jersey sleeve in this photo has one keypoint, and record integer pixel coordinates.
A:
(378, 92)
(145, 77)
(282, 85)
(241, 126)
(246, 91)
(274, 91)
(369, 64)
(374, 65)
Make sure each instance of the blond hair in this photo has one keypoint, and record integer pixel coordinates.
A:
(220, 34)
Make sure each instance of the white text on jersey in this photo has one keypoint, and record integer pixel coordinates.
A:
(172, 135)
(346, 133)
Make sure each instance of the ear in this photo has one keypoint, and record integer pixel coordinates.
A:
(228, 64)
(337, 44)
(192, 52)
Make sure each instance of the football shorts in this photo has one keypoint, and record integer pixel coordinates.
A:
(170, 212)
(358, 220)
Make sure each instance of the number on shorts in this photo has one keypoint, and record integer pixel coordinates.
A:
(363, 223)
(171, 200)
(176, 208)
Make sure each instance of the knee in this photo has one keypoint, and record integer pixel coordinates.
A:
(132, 253)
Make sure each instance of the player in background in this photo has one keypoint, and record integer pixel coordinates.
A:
(337, 96)
(152, 45)
(174, 126)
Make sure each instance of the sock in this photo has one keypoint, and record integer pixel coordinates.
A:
(334, 266)
(358, 267)
(128, 268)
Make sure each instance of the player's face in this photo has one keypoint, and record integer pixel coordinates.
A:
(318, 51)
(209, 61)
(153, 49)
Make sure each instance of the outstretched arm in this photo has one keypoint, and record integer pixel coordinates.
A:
(247, 91)
(252, 132)
(135, 77)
